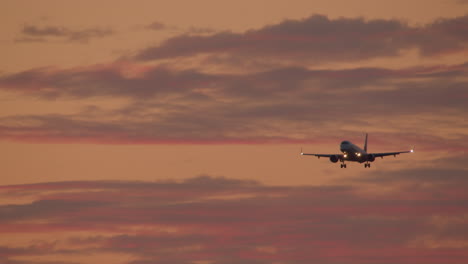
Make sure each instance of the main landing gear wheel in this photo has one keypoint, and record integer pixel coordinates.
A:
(367, 165)
(343, 165)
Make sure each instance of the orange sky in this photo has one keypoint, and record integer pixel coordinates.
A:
(227, 94)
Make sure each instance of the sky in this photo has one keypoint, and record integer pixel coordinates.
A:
(138, 132)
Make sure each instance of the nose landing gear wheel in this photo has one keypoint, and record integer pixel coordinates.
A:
(367, 165)
(343, 165)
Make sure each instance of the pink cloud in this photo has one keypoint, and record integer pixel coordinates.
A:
(190, 221)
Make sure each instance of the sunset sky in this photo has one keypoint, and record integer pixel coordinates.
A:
(169, 132)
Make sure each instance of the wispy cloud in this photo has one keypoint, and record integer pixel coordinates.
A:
(45, 33)
(220, 220)
(159, 26)
(156, 26)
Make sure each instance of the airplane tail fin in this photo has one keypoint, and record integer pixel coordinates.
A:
(365, 144)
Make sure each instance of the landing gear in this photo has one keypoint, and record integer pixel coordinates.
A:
(367, 165)
(343, 165)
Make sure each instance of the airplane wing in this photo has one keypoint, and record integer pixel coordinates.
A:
(390, 153)
(323, 155)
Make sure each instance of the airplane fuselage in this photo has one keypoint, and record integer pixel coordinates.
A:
(352, 152)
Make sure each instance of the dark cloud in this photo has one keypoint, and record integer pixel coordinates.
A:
(451, 169)
(156, 81)
(190, 106)
(159, 26)
(440, 181)
(86, 35)
(7, 251)
(320, 39)
(193, 105)
(455, 176)
(234, 221)
(40, 209)
(444, 35)
(32, 32)
(45, 31)
(105, 81)
(317, 38)
(184, 128)
(156, 26)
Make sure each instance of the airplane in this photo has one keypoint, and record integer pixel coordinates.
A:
(351, 152)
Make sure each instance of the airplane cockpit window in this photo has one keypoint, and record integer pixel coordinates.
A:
(345, 143)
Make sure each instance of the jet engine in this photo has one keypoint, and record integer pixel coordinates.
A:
(370, 157)
(334, 158)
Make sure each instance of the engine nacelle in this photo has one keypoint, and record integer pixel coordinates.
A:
(334, 158)
(370, 157)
